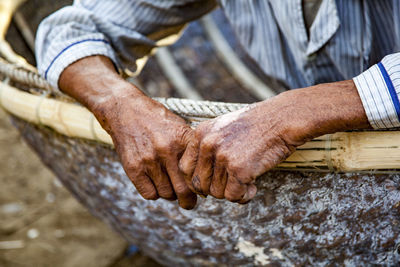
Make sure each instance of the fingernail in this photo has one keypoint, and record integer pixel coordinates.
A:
(196, 184)
(249, 195)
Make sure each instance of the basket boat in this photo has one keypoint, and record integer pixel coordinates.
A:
(335, 200)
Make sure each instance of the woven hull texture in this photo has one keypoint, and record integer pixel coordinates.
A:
(296, 218)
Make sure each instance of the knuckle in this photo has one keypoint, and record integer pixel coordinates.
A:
(235, 167)
(243, 175)
(181, 189)
(132, 167)
(207, 125)
(186, 168)
(221, 157)
(188, 161)
(147, 159)
(164, 145)
(287, 151)
(216, 193)
(201, 129)
(145, 191)
(186, 135)
(183, 166)
(240, 170)
(207, 144)
(165, 191)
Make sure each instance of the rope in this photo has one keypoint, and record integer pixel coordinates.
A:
(183, 107)
(26, 77)
(196, 108)
(6, 81)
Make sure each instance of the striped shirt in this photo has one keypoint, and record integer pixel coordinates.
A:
(347, 39)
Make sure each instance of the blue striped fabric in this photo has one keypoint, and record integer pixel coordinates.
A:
(390, 87)
(68, 47)
(345, 40)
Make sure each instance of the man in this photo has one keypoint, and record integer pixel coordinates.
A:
(302, 43)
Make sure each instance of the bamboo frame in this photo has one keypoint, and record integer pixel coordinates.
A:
(69, 119)
(345, 152)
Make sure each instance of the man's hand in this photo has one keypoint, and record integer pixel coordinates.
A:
(148, 138)
(229, 152)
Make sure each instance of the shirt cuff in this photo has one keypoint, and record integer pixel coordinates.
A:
(378, 91)
(74, 52)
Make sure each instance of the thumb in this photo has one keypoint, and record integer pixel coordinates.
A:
(188, 161)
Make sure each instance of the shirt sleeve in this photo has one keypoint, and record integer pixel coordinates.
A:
(379, 87)
(123, 30)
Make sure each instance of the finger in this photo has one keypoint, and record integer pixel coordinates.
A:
(161, 181)
(186, 198)
(234, 190)
(218, 182)
(144, 186)
(135, 170)
(203, 172)
(250, 194)
(188, 161)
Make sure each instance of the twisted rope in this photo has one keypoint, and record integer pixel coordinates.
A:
(184, 107)
(26, 77)
(196, 108)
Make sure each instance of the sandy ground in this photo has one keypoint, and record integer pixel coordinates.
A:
(41, 224)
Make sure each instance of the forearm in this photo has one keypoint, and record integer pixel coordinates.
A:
(93, 81)
(326, 108)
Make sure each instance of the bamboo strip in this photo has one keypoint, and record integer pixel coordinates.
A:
(345, 152)
(66, 118)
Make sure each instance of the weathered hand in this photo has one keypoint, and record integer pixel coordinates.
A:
(229, 152)
(225, 155)
(148, 138)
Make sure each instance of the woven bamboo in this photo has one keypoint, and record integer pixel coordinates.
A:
(377, 151)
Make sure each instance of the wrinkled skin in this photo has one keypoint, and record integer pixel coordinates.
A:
(230, 152)
(149, 152)
(164, 157)
(229, 159)
(148, 138)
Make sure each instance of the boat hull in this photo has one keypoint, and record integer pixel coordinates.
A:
(295, 219)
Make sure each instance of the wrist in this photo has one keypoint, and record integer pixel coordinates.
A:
(94, 82)
(107, 95)
(340, 108)
(325, 108)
